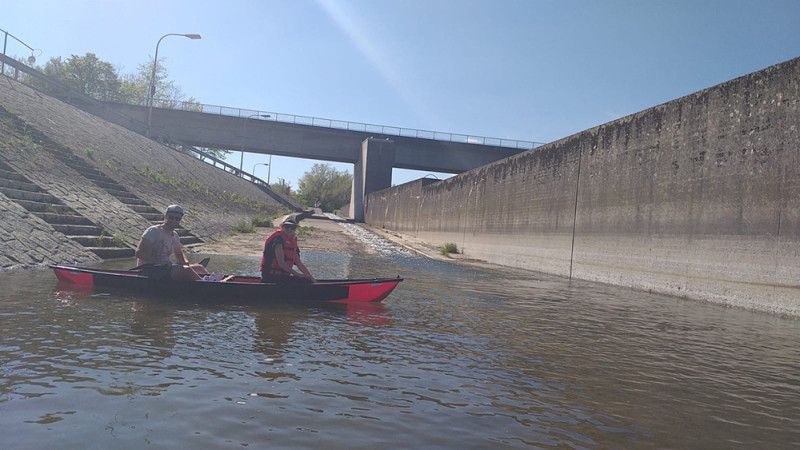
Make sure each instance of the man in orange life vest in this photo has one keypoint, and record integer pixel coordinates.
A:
(281, 255)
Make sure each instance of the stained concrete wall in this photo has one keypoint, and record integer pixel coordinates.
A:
(698, 197)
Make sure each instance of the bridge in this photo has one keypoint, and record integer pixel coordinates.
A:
(374, 150)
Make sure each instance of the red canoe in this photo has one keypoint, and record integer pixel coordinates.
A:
(234, 288)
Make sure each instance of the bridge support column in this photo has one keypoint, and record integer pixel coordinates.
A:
(372, 172)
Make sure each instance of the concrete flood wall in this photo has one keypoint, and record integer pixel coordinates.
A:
(698, 197)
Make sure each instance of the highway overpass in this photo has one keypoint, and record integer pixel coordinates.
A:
(374, 151)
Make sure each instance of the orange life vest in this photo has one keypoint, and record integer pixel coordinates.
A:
(269, 265)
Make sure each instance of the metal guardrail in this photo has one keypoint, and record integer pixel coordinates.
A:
(352, 126)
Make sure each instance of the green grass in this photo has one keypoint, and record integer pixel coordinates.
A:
(120, 239)
(244, 226)
(261, 221)
(303, 231)
(448, 248)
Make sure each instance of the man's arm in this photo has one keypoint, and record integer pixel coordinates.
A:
(144, 250)
(303, 269)
(180, 257)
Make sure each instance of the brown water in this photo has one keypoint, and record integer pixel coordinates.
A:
(455, 357)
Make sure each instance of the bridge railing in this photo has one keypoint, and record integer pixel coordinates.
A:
(354, 126)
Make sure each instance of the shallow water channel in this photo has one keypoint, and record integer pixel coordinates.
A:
(455, 357)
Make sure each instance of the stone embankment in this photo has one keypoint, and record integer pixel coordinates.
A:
(74, 188)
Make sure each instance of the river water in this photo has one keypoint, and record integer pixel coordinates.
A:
(455, 357)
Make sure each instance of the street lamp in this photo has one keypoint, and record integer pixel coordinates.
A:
(266, 116)
(31, 59)
(153, 77)
(260, 164)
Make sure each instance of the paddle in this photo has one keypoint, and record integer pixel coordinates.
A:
(203, 263)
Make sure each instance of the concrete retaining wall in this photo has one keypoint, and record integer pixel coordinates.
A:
(698, 197)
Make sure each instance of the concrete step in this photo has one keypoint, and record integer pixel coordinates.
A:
(22, 185)
(135, 201)
(18, 194)
(94, 240)
(112, 252)
(94, 174)
(79, 166)
(9, 174)
(72, 229)
(117, 191)
(188, 240)
(6, 167)
(144, 209)
(45, 207)
(53, 218)
(107, 185)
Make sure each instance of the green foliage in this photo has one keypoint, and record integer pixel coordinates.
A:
(198, 187)
(215, 152)
(135, 88)
(90, 152)
(87, 74)
(101, 80)
(281, 186)
(303, 231)
(261, 221)
(448, 249)
(244, 226)
(157, 175)
(120, 239)
(326, 185)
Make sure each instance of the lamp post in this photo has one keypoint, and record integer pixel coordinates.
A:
(31, 59)
(153, 77)
(260, 164)
(241, 160)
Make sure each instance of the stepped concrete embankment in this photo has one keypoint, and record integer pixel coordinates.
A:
(698, 197)
(39, 133)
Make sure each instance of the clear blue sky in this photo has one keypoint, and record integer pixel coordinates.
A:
(533, 70)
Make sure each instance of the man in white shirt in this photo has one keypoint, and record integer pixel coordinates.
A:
(158, 244)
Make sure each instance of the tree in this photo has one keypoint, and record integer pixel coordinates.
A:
(100, 80)
(326, 185)
(87, 74)
(215, 152)
(282, 186)
(135, 88)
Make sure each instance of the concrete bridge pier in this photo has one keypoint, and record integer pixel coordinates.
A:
(372, 172)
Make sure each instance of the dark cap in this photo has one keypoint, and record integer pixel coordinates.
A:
(174, 209)
(290, 220)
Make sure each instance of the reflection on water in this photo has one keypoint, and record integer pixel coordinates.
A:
(455, 357)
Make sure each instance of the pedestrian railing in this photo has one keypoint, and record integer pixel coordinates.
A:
(385, 130)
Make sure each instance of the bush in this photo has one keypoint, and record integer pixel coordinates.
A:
(303, 231)
(449, 248)
(244, 226)
(261, 221)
